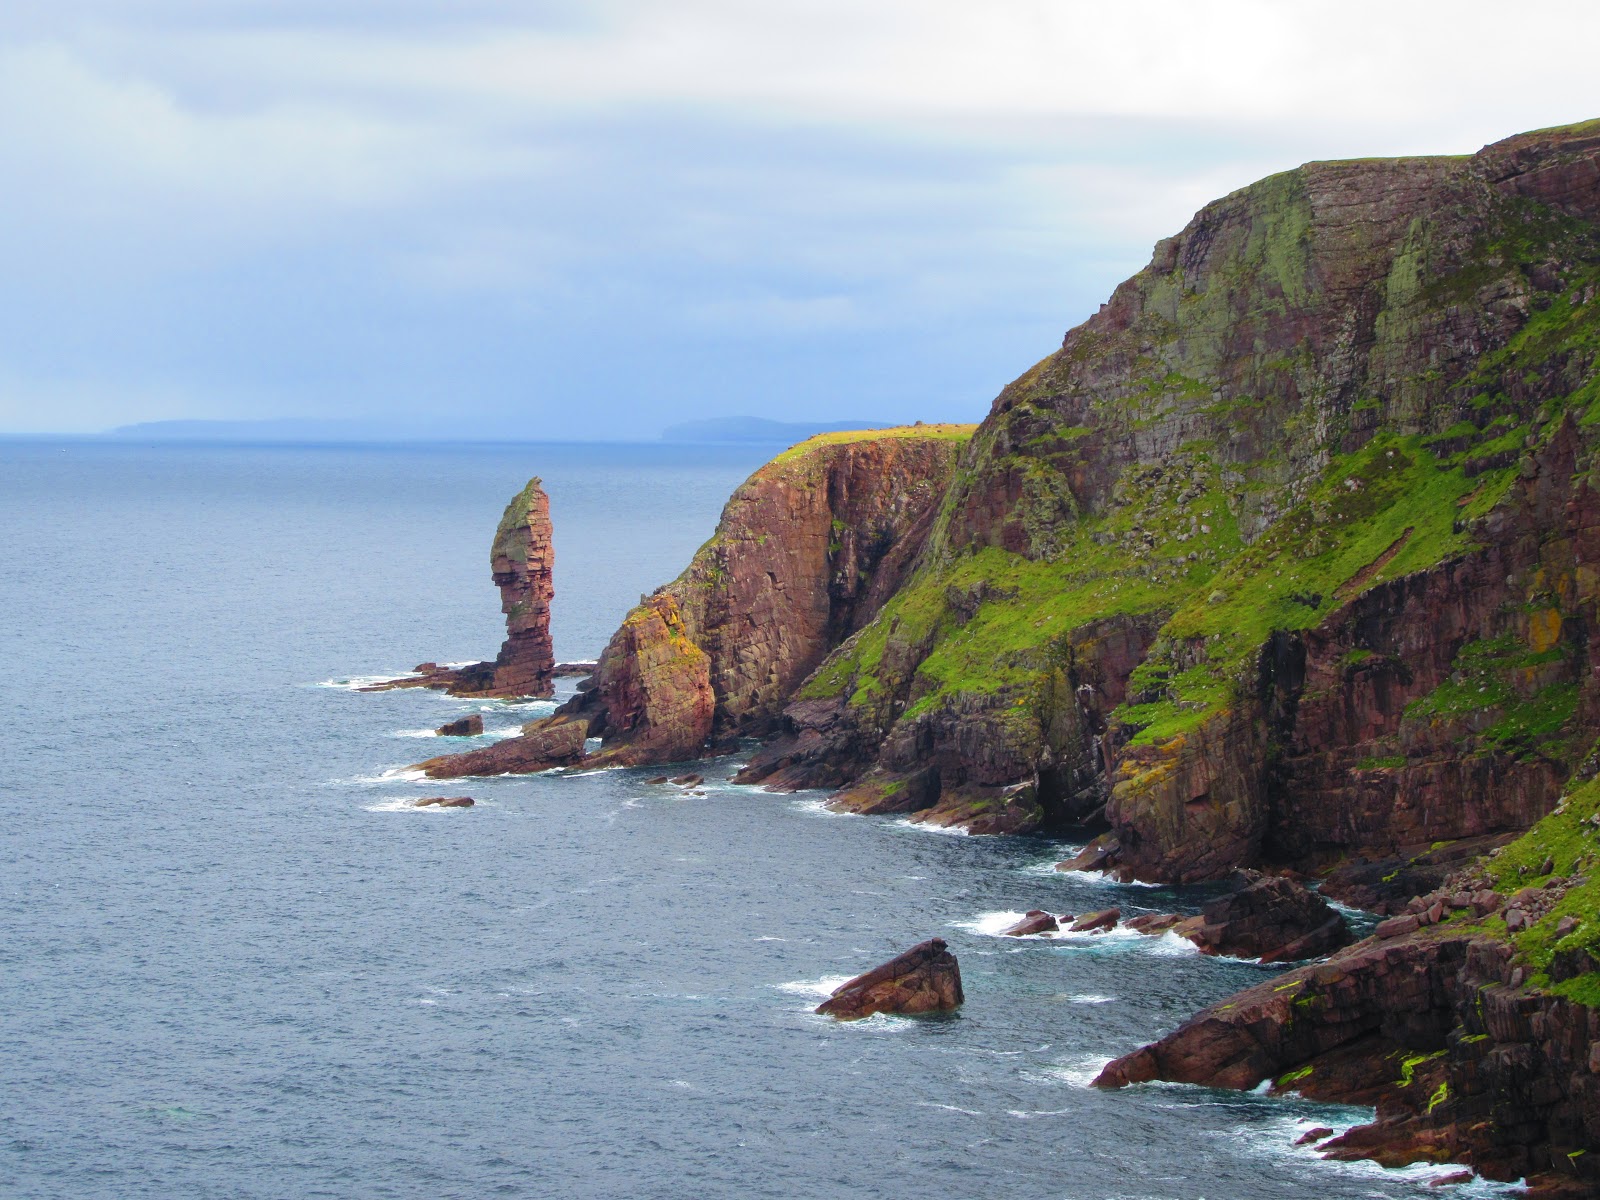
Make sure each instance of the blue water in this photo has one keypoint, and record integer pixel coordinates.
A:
(234, 965)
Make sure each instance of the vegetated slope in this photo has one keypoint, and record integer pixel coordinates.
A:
(1285, 555)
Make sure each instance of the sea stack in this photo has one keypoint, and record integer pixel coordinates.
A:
(523, 561)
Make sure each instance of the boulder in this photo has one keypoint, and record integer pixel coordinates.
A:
(465, 727)
(1270, 918)
(688, 780)
(446, 802)
(1035, 920)
(1313, 1135)
(658, 780)
(1097, 922)
(926, 978)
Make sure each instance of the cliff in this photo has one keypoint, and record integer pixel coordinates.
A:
(1230, 569)
(806, 552)
(522, 560)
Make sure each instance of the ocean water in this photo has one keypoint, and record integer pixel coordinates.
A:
(233, 963)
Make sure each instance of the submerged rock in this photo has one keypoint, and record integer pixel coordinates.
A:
(465, 727)
(445, 802)
(926, 978)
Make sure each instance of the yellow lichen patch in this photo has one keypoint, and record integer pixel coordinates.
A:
(1544, 630)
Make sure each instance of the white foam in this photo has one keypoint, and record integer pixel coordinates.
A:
(1077, 1072)
(392, 775)
(408, 804)
(819, 808)
(1091, 998)
(414, 733)
(821, 988)
(966, 1112)
(926, 827)
(354, 683)
(988, 924)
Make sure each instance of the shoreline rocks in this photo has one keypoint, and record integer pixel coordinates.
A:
(924, 979)
(465, 727)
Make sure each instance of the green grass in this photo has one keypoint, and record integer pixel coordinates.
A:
(844, 437)
(1571, 842)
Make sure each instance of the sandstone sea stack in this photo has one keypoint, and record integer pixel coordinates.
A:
(522, 560)
(926, 978)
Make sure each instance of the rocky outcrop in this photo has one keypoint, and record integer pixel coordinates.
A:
(445, 802)
(805, 553)
(522, 559)
(464, 727)
(926, 978)
(544, 744)
(1463, 1062)
(1270, 918)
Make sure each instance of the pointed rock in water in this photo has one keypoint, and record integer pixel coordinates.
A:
(926, 978)
(465, 727)
(522, 559)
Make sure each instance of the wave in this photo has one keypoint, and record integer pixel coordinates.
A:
(354, 683)
(925, 827)
(1077, 1072)
(820, 988)
(818, 808)
(408, 804)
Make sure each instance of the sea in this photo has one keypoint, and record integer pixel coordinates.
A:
(236, 963)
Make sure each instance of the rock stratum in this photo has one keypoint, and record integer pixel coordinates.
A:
(1287, 559)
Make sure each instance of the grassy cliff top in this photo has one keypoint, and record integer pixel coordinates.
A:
(938, 432)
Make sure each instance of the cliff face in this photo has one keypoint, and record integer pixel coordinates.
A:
(1235, 562)
(523, 560)
(806, 552)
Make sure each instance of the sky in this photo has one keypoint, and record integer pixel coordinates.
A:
(567, 220)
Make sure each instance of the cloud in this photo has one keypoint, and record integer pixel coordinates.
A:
(220, 206)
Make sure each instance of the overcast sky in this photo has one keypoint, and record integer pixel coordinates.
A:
(564, 219)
